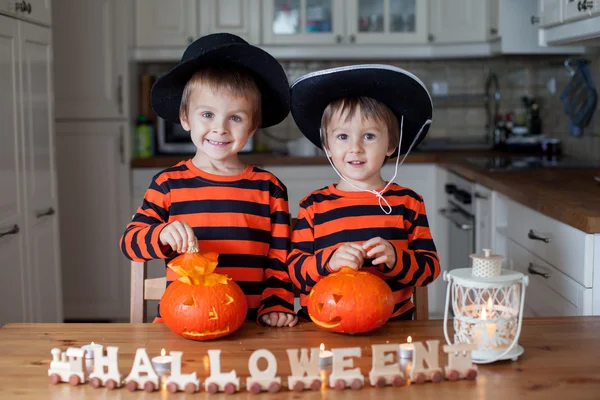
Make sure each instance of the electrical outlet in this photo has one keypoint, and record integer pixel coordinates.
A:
(551, 85)
(439, 88)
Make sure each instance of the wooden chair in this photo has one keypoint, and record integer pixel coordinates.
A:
(143, 289)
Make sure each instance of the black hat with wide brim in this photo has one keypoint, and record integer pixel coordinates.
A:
(398, 89)
(224, 49)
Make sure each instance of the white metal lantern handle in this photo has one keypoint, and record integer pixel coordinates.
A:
(524, 282)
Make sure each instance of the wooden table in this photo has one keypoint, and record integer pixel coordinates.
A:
(561, 360)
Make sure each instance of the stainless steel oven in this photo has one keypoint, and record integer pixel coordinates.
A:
(459, 211)
(173, 139)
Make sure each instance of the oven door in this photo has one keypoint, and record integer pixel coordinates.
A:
(461, 235)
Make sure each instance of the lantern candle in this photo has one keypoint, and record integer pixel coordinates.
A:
(162, 364)
(406, 349)
(483, 333)
(325, 356)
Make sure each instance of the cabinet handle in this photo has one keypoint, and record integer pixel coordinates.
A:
(120, 93)
(28, 8)
(531, 269)
(493, 31)
(431, 37)
(352, 39)
(338, 38)
(534, 20)
(48, 211)
(531, 235)
(480, 196)
(121, 145)
(446, 213)
(13, 231)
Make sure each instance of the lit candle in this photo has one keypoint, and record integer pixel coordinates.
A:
(406, 349)
(325, 356)
(484, 332)
(162, 364)
(89, 349)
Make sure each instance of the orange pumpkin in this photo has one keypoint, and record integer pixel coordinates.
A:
(350, 301)
(202, 304)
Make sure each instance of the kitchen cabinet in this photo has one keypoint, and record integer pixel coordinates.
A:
(36, 11)
(91, 58)
(166, 23)
(569, 23)
(461, 21)
(324, 22)
(239, 17)
(30, 290)
(550, 12)
(94, 186)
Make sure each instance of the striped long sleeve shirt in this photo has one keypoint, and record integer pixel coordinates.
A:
(245, 218)
(329, 218)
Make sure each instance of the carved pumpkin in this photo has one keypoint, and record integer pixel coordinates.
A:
(350, 301)
(202, 304)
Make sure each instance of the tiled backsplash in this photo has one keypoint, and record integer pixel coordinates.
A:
(517, 76)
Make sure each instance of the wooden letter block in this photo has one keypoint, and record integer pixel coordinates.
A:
(264, 380)
(142, 375)
(341, 377)
(386, 367)
(433, 372)
(112, 377)
(188, 383)
(218, 381)
(67, 366)
(460, 365)
(305, 370)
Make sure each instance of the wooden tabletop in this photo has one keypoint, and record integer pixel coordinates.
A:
(561, 360)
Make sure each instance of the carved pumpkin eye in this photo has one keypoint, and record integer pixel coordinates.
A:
(212, 315)
(336, 298)
(228, 299)
(320, 307)
(190, 301)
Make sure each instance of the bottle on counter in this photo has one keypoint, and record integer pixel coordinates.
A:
(144, 137)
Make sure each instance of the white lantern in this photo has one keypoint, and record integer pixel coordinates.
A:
(487, 302)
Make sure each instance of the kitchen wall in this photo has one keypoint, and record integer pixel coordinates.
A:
(465, 118)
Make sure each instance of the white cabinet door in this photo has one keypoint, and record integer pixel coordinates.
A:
(576, 9)
(483, 218)
(90, 58)
(94, 194)
(310, 22)
(459, 21)
(387, 21)
(162, 23)
(550, 12)
(14, 286)
(40, 190)
(37, 11)
(239, 17)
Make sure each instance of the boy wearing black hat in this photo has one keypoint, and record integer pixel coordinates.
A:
(221, 92)
(361, 115)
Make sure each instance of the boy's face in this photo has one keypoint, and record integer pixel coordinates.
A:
(220, 123)
(358, 148)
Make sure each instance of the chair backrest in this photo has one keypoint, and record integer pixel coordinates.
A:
(143, 289)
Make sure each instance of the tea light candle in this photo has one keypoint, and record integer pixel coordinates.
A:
(162, 364)
(325, 356)
(406, 349)
(89, 349)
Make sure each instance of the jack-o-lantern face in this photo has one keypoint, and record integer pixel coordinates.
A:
(202, 305)
(350, 301)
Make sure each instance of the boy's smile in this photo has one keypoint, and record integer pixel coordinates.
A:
(220, 125)
(358, 147)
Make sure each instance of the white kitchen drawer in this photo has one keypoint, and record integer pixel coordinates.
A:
(552, 295)
(567, 249)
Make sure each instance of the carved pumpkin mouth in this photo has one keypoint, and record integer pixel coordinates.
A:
(195, 333)
(330, 324)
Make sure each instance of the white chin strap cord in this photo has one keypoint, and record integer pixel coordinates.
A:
(388, 208)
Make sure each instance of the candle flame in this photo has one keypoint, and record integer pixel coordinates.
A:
(162, 352)
(322, 347)
(92, 343)
(409, 339)
(489, 304)
(483, 314)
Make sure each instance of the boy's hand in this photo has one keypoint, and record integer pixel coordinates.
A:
(347, 255)
(179, 235)
(382, 250)
(279, 319)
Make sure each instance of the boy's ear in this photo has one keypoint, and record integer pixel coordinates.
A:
(252, 133)
(184, 121)
(390, 152)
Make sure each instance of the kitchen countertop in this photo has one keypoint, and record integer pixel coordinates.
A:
(558, 362)
(577, 204)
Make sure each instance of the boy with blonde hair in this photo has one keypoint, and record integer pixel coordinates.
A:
(221, 92)
(361, 115)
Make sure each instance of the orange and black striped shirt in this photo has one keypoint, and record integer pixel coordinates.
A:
(329, 218)
(245, 218)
